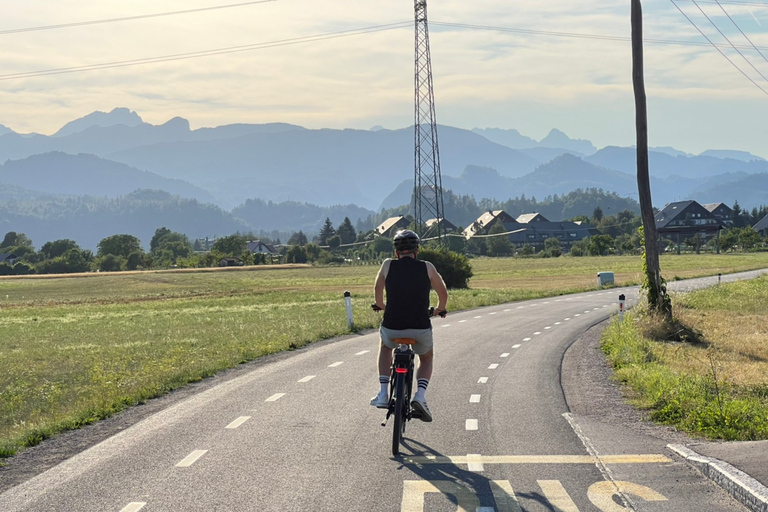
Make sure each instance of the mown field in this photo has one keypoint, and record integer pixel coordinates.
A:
(715, 384)
(77, 349)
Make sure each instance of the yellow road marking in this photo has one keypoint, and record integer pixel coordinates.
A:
(542, 459)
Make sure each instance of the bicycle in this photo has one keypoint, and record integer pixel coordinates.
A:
(401, 386)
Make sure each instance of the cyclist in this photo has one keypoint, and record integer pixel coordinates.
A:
(407, 282)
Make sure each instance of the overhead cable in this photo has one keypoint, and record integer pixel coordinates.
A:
(729, 41)
(717, 48)
(742, 32)
(206, 53)
(127, 18)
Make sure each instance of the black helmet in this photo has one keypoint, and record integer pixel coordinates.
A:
(406, 240)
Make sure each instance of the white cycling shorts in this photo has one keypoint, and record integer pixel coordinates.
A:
(423, 338)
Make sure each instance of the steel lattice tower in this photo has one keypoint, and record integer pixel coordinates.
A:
(428, 186)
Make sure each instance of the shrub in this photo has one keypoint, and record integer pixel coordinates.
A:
(454, 267)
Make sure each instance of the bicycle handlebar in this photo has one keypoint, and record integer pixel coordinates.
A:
(432, 312)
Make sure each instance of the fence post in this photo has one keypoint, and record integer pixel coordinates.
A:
(622, 299)
(348, 301)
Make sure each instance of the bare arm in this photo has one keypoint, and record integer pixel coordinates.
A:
(439, 286)
(378, 288)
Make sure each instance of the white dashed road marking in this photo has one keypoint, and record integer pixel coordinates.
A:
(275, 397)
(482, 380)
(471, 425)
(462, 321)
(134, 507)
(191, 458)
(505, 354)
(548, 327)
(493, 366)
(474, 399)
(362, 352)
(307, 378)
(516, 346)
(537, 333)
(239, 421)
(334, 365)
(526, 339)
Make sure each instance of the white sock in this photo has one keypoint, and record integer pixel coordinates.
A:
(384, 382)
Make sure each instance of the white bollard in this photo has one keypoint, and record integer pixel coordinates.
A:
(622, 300)
(348, 301)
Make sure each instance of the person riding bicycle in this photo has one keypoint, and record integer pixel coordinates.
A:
(407, 282)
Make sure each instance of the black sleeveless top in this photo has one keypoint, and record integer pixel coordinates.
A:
(407, 287)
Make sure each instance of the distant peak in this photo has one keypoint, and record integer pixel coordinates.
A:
(177, 123)
(118, 116)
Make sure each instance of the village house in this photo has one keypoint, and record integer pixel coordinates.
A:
(685, 220)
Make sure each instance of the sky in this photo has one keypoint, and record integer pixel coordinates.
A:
(529, 65)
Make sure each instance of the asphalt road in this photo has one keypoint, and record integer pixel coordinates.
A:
(297, 434)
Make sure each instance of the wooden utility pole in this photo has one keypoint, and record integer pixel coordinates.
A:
(658, 299)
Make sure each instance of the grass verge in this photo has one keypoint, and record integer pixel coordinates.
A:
(713, 383)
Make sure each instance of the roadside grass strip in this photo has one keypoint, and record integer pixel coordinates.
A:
(715, 386)
(75, 350)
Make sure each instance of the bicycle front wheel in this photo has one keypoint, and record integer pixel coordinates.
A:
(398, 427)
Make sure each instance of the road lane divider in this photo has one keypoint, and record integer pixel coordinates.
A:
(134, 506)
(275, 397)
(505, 354)
(239, 421)
(191, 458)
(493, 366)
(362, 352)
(337, 363)
(482, 380)
(475, 463)
(307, 378)
(471, 425)
(474, 399)
(518, 345)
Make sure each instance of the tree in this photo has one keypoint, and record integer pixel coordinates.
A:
(455, 268)
(749, 238)
(498, 245)
(14, 239)
(119, 245)
(58, 248)
(600, 245)
(299, 239)
(552, 247)
(658, 300)
(110, 263)
(159, 233)
(346, 232)
(296, 254)
(334, 242)
(597, 214)
(326, 232)
(232, 245)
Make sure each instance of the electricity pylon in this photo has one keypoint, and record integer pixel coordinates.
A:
(427, 184)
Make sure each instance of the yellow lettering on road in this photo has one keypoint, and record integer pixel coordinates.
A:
(414, 491)
(557, 495)
(542, 459)
(601, 494)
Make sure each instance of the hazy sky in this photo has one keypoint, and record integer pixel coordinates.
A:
(532, 65)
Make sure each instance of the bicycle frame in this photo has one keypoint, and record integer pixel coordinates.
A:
(400, 387)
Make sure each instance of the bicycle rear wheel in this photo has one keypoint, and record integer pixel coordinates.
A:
(399, 426)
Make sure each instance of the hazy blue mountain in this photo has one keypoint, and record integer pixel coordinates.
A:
(292, 216)
(60, 173)
(510, 138)
(323, 167)
(736, 155)
(16, 193)
(557, 139)
(665, 165)
(547, 154)
(554, 140)
(4, 129)
(669, 151)
(88, 220)
(750, 190)
(118, 116)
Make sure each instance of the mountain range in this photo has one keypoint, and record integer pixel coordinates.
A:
(112, 154)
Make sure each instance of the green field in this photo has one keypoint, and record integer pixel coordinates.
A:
(77, 349)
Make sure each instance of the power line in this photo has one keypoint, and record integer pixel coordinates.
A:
(127, 18)
(729, 41)
(207, 53)
(742, 32)
(575, 35)
(717, 48)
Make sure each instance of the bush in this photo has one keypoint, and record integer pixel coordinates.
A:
(454, 267)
